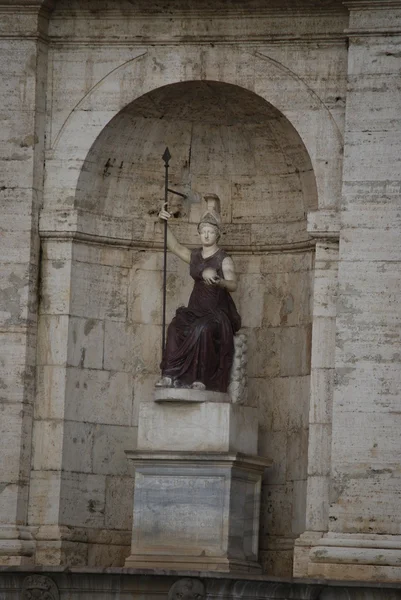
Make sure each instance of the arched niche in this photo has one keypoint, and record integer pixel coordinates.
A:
(228, 140)
(224, 139)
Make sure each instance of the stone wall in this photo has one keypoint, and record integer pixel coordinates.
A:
(252, 106)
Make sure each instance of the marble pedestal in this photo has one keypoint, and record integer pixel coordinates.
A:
(197, 484)
(196, 511)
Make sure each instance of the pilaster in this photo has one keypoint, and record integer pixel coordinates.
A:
(363, 518)
(23, 29)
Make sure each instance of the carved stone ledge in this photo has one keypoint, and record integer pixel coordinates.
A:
(324, 224)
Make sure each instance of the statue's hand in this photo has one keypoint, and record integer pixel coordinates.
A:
(164, 215)
(210, 276)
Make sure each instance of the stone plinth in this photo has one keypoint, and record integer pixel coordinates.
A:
(196, 510)
(17, 546)
(198, 426)
(364, 557)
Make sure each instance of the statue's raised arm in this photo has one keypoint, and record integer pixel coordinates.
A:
(200, 345)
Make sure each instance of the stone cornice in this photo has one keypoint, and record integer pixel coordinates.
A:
(372, 4)
(88, 238)
(27, 19)
(329, 40)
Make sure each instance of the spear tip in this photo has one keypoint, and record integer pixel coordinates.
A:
(166, 156)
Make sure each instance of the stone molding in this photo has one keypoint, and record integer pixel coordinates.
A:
(79, 225)
(372, 4)
(369, 557)
(144, 457)
(17, 545)
(166, 394)
(324, 224)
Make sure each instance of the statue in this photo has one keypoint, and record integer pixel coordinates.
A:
(200, 338)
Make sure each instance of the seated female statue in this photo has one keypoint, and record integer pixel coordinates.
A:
(200, 345)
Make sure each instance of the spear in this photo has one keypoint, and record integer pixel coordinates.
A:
(166, 157)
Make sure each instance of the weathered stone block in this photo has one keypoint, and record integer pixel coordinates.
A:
(132, 347)
(50, 392)
(323, 342)
(295, 351)
(85, 343)
(119, 499)
(206, 426)
(77, 452)
(109, 445)
(53, 340)
(95, 396)
(14, 421)
(109, 285)
(47, 445)
(82, 500)
(44, 498)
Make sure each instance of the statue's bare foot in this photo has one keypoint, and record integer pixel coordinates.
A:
(165, 381)
(198, 385)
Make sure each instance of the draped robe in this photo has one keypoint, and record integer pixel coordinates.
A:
(200, 344)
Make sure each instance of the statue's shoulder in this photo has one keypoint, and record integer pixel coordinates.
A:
(224, 254)
(195, 254)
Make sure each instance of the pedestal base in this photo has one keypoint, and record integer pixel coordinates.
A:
(196, 511)
(341, 556)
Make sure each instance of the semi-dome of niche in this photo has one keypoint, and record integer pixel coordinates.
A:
(223, 139)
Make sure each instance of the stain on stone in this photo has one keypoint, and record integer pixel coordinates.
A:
(82, 360)
(29, 140)
(287, 307)
(58, 264)
(10, 298)
(89, 325)
(19, 157)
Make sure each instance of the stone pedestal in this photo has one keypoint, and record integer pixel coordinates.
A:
(197, 484)
(196, 511)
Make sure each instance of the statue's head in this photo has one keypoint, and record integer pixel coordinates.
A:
(211, 217)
